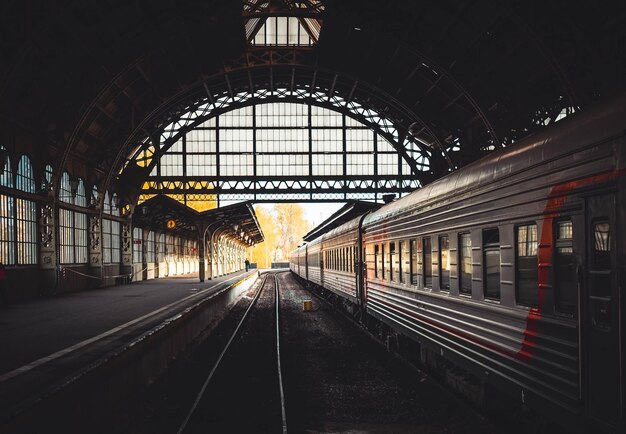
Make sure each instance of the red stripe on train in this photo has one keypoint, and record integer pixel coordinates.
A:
(556, 200)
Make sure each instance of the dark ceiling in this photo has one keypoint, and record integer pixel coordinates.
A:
(78, 78)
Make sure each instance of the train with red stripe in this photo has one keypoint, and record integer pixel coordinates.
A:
(507, 275)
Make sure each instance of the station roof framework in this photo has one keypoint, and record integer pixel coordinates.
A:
(84, 84)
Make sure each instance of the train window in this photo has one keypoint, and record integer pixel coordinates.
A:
(565, 269)
(444, 263)
(376, 261)
(405, 260)
(600, 271)
(465, 244)
(400, 254)
(414, 262)
(382, 260)
(338, 259)
(349, 260)
(526, 265)
(392, 258)
(491, 252)
(342, 264)
(428, 262)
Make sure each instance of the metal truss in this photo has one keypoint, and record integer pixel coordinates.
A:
(283, 75)
(413, 150)
(247, 189)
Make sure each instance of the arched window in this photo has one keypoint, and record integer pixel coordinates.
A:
(46, 182)
(115, 210)
(6, 174)
(106, 207)
(7, 229)
(95, 196)
(161, 248)
(25, 180)
(7, 213)
(26, 214)
(111, 231)
(172, 248)
(137, 246)
(81, 196)
(281, 143)
(150, 257)
(65, 192)
(73, 224)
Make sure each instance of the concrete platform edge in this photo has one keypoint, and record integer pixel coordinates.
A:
(92, 395)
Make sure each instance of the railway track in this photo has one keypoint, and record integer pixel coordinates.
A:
(243, 391)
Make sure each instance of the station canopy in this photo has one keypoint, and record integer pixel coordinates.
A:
(165, 214)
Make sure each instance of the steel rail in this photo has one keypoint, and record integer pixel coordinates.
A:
(280, 374)
(219, 359)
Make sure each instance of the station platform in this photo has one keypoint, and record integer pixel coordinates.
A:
(45, 342)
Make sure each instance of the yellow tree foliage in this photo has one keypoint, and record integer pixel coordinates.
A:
(291, 226)
(283, 226)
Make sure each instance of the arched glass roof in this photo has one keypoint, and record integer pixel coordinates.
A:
(278, 151)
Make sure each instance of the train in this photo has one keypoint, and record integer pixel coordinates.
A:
(508, 272)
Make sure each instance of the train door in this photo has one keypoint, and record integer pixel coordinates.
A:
(601, 354)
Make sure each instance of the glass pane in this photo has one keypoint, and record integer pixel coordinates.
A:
(414, 265)
(565, 230)
(444, 263)
(428, 263)
(382, 260)
(600, 267)
(526, 265)
(392, 259)
(602, 237)
(465, 243)
(7, 230)
(376, 261)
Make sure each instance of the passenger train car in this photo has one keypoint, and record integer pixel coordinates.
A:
(511, 269)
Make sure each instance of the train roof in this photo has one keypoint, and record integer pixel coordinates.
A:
(351, 225)
(598, 123)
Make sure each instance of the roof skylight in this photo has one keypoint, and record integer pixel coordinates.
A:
(282, 23)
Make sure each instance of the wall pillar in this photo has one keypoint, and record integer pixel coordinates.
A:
(47, 249)
(211, 249)
(95, 251)
(127, 251)
(201, 251)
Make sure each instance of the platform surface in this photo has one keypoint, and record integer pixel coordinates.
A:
(49, 337)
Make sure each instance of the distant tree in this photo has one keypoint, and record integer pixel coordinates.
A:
(291, 225)
(283, 227)
(264, 252)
